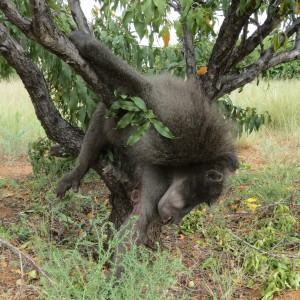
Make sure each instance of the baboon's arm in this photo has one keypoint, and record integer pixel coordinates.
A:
(94, 140)
(112, 70)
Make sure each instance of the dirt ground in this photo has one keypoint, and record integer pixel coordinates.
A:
(11, 283)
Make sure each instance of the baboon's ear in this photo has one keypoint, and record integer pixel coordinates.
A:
(214, 176)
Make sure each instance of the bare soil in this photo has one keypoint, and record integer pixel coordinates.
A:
(12, 283)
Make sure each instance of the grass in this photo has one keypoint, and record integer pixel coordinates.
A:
(247, 247)
(279, 141)
(279, 98)
(18, 123)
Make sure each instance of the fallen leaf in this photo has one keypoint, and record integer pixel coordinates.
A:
(201, 243)
(4, 264)
(32, 275)
(243, 187)
(90, 215)
(20, 282)
(24, 246)
(251, 200)
(182, 236)
(253, 206)
(18, 271)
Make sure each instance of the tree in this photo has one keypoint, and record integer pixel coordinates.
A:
(65, 89)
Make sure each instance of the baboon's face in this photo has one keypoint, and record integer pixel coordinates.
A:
(187, 190)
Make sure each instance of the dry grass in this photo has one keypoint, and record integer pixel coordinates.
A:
(280, 98)
(279, 141)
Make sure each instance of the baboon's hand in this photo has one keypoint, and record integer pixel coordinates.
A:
(67, 182)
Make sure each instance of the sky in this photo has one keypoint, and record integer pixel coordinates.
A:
(86, 6)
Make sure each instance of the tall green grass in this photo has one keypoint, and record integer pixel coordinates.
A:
(18, 123)
(280, 98)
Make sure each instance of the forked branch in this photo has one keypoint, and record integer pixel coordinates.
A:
(227, 38)
(232, 81)
(253, 41)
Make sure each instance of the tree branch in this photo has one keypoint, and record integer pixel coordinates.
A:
(297, 41)
(175, 5)
(227, 38)
(79, 16)
(293, 28)
(23, 23)
(253, 41)
(57, 129)
(232, 81)
(42, 23)
(189, 52)
(29, 259)
(282, 57)
(246, 243)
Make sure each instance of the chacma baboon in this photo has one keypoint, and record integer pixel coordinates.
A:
(176, 174)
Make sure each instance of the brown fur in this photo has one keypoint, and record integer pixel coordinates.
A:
(177, 173)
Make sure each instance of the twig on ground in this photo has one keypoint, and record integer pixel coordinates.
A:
(246, 243)
(259, 250)
(278, 244)
(21, 266)
(29, 259)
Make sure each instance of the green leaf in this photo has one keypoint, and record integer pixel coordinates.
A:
(276, 41)
(162, 129)
(156, 22)
(140, 28)
(161, 6)
(65, 73)
(185, 8)
(82, 115)
(286, 39)
(147, 9)
(127, 17)
(124, 104)
(190, 21)
(65, 218)
(136, 135)
(178, 28)
(32, 275)
(138, 119)
(110, 155)
(125, 120)
(150, 114)
(139, 102)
